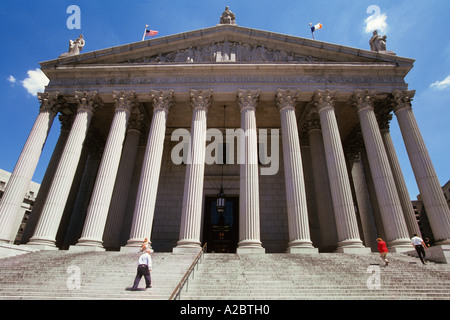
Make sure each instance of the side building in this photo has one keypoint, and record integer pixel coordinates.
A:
(25, 208)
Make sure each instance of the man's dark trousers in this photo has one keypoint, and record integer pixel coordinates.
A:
(421, 253)
(142, 270)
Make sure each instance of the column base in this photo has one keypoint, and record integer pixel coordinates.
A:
(301, 246)
(399, 245)
(134, 245)
(85, 245)
(187, 247)
(352, 247)
(249, 247)
(42, 243)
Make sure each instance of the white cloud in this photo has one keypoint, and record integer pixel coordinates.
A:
(11, 79)
(35, 82)
(441, 84)
(377, 21)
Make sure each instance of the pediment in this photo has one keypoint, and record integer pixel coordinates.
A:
(227, 44)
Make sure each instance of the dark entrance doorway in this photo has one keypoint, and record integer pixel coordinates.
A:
(221, 230)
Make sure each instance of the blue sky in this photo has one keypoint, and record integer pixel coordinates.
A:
(33, 31)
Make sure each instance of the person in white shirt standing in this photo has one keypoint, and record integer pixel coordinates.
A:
(143, 269)
(420, 247)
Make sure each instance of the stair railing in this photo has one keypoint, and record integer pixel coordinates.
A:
(184, 281)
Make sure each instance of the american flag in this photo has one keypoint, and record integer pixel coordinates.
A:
(150, 33)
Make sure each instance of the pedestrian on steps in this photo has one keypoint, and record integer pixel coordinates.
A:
(382, 248)
(144, 268)
(420, 247)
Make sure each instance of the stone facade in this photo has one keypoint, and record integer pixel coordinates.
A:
(303, 125)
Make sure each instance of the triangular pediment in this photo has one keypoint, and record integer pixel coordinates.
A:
(228, 44)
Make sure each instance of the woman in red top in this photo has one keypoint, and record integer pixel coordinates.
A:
(382, 248)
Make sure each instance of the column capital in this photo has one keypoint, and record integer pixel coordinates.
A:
(162, 99)
(312, 120)
(66, 121)
(201, 99)
(50, 101)
(136, 121)
(402, 99)
(362, 99)
(286, 98)
(384, 118)
(125, 100)
(247, 98)
(89, 101)
(323, 99)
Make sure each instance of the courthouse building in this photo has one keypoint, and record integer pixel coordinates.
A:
(292, 132)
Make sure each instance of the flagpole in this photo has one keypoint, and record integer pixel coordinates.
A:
(145, 30)
(312, 32)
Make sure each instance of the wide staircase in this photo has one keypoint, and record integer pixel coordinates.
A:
(89, 275)
(320, 276)
(109, 275)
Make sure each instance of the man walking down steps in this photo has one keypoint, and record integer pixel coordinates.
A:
(143, 269)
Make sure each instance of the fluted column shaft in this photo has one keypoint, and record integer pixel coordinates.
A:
(114, 223)
(148, 185)
(402, 190)
(98, 208)
(53, 209)
(299, 234)
(66, 123)
(249, 217)
(394, 223)
(22, 174)
(193, 186)
(366, 215)
(431, 192)
(347, 227)
(322, 190)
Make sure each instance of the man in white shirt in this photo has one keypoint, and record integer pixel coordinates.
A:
(143, 269)
(420, 247)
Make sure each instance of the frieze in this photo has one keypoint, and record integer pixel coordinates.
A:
(208, 79)
(225, 52)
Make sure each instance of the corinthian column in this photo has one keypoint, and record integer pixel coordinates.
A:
(344, 210)
(394, 223)
(116, 214)
(22, 174)
(299, 235)
(148, 185)
(47, 227)
(322, 190)
(193, 185)
(408, 211)
(97, 212)
(249, 223)
(431, 192)
(66, 123)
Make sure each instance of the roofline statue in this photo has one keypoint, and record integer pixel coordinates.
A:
(378, 43)
(227, 17)
(75, 47)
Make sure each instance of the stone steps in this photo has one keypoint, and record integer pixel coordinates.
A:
(103, 275)
(322, 276)
(109, 275)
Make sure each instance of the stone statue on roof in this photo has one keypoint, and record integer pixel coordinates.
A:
(75, 47)
(227, 17)
(377, 42)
